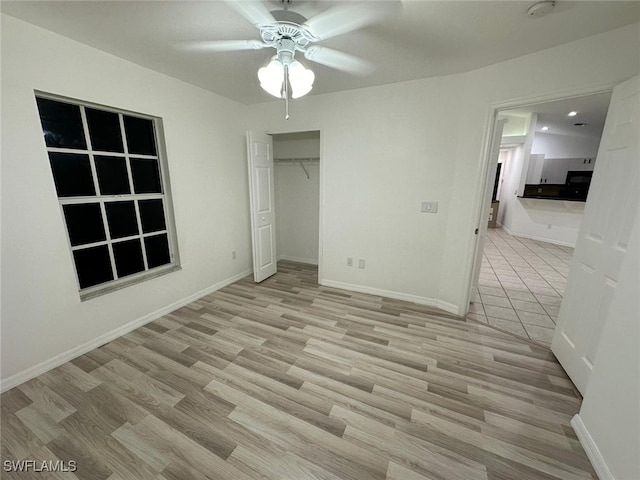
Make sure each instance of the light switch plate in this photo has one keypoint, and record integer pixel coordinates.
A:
(429, 207)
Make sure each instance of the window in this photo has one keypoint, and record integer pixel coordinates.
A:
(112, 186)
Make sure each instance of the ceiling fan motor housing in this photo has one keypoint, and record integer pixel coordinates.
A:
(286, 48)
(273, 33)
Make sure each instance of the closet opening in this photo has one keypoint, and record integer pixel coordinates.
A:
(296, 160)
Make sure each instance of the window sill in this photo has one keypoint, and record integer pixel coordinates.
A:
(99, 290)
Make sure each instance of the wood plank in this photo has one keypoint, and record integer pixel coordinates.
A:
(288, 379)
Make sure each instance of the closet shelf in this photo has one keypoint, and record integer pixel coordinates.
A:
(297, 161)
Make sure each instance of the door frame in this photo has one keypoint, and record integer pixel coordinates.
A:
(485, 163)
(321, 188)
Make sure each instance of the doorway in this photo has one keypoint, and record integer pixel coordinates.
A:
(543, 168)
(297, 171)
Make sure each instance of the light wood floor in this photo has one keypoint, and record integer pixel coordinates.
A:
(290, 380)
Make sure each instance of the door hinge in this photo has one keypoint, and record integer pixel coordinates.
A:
(476, 232)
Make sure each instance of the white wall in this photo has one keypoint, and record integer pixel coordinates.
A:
(551, 221)
(610, 412)
(42, 315)
(565, 146)
(385, 149)
(296, 145)
(547, 220)
(372, 192)
(516, 125)
(536, 163)
(580, 66)
(297, 198)
(388, 148)
(550, 158)
(511, 167)
(554, 170)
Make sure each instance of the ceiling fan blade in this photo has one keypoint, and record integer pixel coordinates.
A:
(338, 60)
(350, 16)
(256, 12)
(223, 45)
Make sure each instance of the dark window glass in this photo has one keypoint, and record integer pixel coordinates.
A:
(72, 174)
(93, 266)
(121, 217)
(61, 124)
(104, 130)
(112, 175)
(84, 223)
(128, 256)
(157, 248)
(152, 215)
(85, 175)
(146, 177)
(140, 136)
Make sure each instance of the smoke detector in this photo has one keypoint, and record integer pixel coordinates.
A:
(540, 9)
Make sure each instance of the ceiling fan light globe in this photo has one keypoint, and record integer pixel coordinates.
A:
(300, 90)
(301, 79)
(271, 78)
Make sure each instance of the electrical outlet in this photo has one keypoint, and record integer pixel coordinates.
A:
(349, 261)
(233, 255)
(362, 263)
(429, 207)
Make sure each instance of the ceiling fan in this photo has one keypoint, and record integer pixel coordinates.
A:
(289, 32)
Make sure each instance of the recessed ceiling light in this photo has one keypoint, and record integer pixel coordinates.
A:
(572, 114)
(545, 128)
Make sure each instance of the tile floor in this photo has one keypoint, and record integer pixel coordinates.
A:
(521, 285)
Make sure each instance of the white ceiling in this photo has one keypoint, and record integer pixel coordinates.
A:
(590, 109)
(425, 39)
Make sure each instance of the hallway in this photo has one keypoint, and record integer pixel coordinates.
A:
(521, 285)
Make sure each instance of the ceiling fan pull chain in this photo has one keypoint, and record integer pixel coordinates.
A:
(285, 92)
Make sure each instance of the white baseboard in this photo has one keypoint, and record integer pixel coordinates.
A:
(40, 368)
(432, 302)
(288, 258)
(506, 230)
(540, 239)
(591, 449)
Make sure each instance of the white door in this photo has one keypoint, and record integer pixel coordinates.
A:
(494, 153)
(613, 201)
(261, 197)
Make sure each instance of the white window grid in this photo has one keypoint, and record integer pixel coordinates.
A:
(147, 273)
